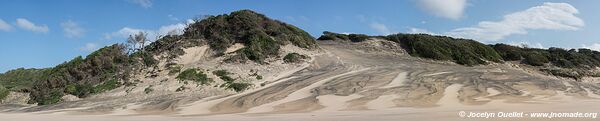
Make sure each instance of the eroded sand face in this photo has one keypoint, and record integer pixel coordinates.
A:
(347, 83)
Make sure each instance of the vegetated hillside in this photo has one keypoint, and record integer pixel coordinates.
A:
(111, 66)
(461, 51)
(21, 79)
(81, 76)
(573, 63)
(261, 36)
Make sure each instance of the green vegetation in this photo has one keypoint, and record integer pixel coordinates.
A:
(148, 89)
(261, 35)
(259, 77)
(195, 75)
(3, 92)
(224, 75)
(230, 82)
(21, 79)
(238, 86)
(294, 58)
(106, 86)
(259, 48)
(335, 36)
(180, 89)
(573, 58)
(78, 76)
(576, 63)
(461, 51)
(174, 69)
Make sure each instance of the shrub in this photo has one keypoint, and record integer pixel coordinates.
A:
(3, 92)
(259, 77)
(148, 89)
(105, 64)
(53, 96)
(461, 51)
(21, 79)
(350, 37)
(358, 37)
(535, 59)
(293, 58)
(238, 86)
(221, 31)
(174, 69)
(564, 73)
(71, 89)
(195, 75)
(333, 36)
(224, 75)
(106, 86)
(180, 89)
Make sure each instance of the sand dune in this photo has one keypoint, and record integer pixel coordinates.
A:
(344, 83)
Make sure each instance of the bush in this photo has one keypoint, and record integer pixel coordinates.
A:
(3, 92)
(148, 89)
(293, 58)
(195, 75)
(350, 37)
(174, 69)
(461, 51)
(238, 86)
(106, 86)
(53, 97)
(21, 79)
(259, 48)
(224, 75)
(535, 59)
(241, 26)
(333, 36)
(564, 73)
(105, 64)
(358, 37)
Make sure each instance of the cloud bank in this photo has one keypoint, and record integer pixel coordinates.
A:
(5, 26)
(27, 25)
(72, 29)
(549, 16)
(451, 9)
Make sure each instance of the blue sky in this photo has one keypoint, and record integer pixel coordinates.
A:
(37, 34)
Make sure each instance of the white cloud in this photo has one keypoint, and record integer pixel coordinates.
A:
(143, 3)
(451, 9)
(173, 17)
(26, 24)
(5, 26)
(419, 31)
(173, 29)
(381, 28)
(550, 16)
(595, 46)
(72, 29)
(89, 47)
(526, 44)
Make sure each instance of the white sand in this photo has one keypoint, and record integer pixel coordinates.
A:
(383, 102)
(192, 54)
(450, 98)
(397, 81)
(334, 102)
(591, 94)
(437, 73)
(302, 93)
